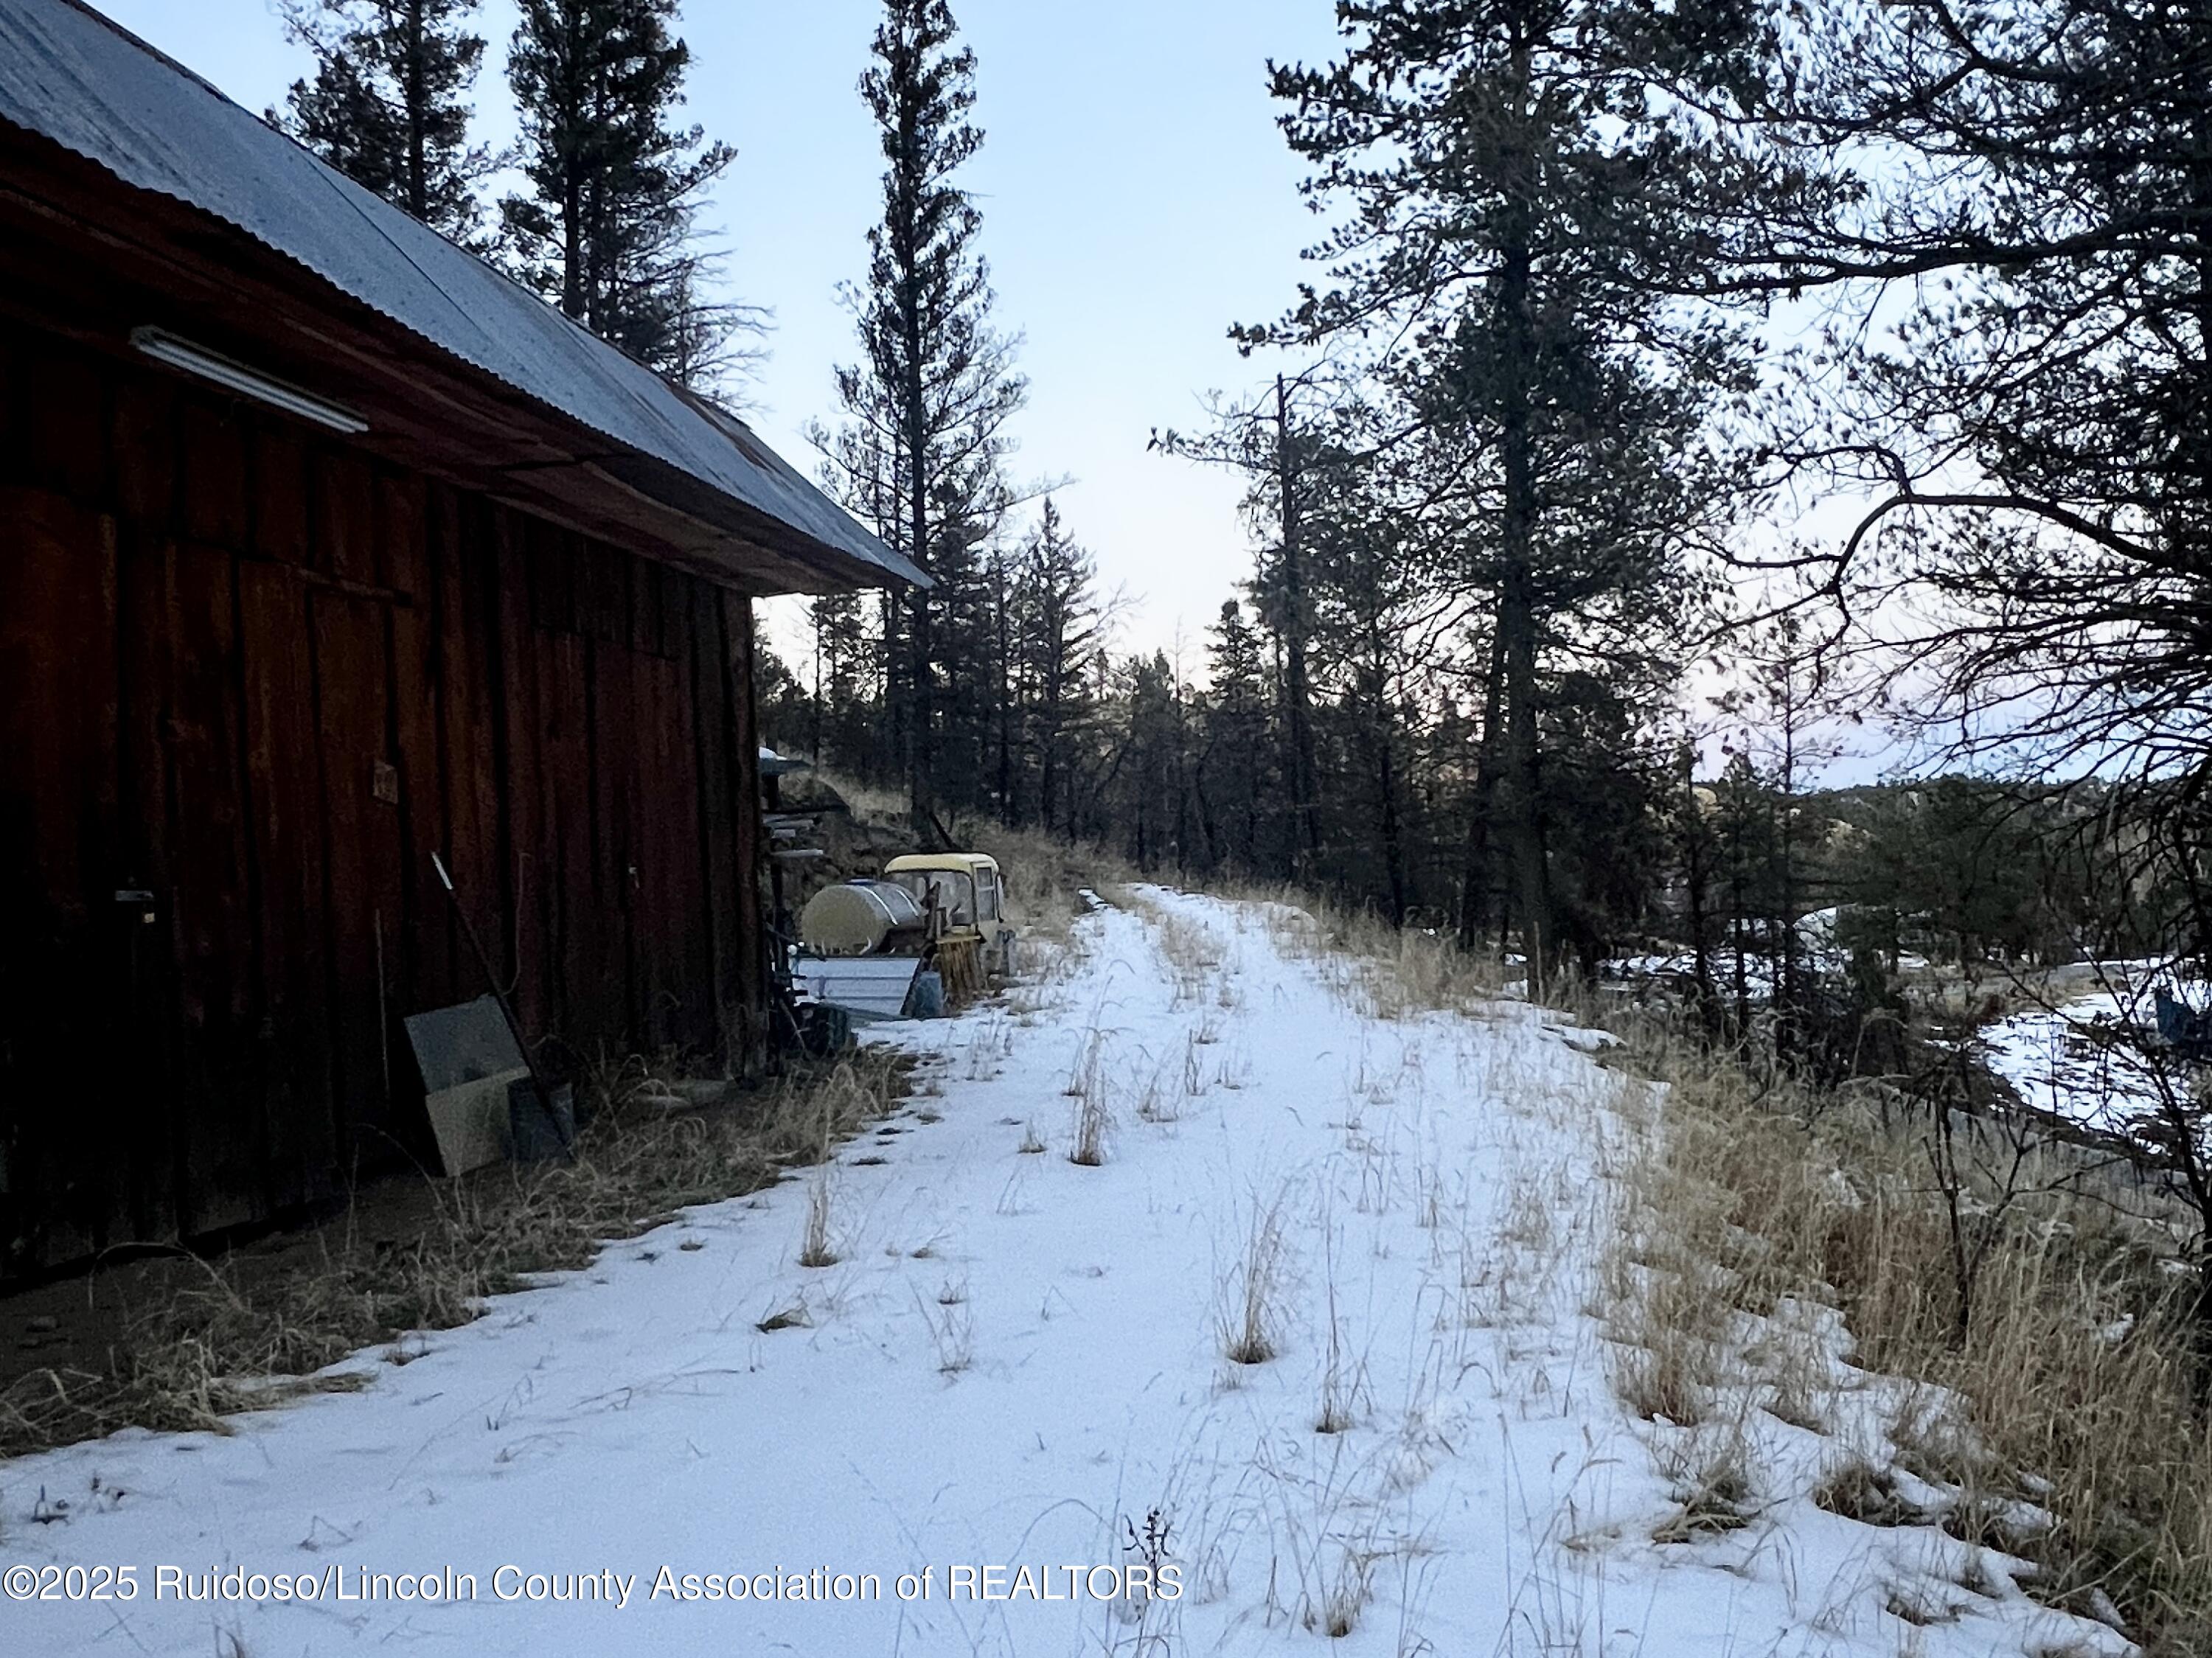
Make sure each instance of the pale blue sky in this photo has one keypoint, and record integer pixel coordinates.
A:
(1137, 199)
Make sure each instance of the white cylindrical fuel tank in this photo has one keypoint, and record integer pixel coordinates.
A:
(858, 917)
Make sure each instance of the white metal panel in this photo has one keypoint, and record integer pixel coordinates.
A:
(867, 987)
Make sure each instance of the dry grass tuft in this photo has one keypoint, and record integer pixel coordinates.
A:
(1157, 1102)
(1093, 1114)
(1343, 1382)
(1713, 1503)
(1919, 1608)
(1858, 1490)
(1388, 973)
(952, 1329)
(816, 1247)
(1340, 1385)
(1349, 1588)
(1670, 1384)
(1252, 1297)
(1669, 1327)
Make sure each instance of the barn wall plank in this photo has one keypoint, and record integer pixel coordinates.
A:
(466, 590)
(144, 446)
(684, 925)
(214, 475)
(57, 1096)
(281, 493)
(618, 781)
(63, 421)
(657, 927)
(528, 857)
(282, 743)
(361, 881)
(399, 548)
(738, 658)
(342, 515)
(151, 997)
(701, 627)
(223, 1068)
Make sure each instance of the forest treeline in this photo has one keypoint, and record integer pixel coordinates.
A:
(1532, 647)
(1613, 302)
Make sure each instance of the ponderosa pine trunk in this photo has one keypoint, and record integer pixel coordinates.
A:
(1298, 693)
(1475, 878)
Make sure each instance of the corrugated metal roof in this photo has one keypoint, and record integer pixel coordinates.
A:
(70, 74)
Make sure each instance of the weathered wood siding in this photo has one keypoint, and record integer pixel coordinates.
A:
(255, 672)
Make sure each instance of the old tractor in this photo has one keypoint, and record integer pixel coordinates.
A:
(929, 934)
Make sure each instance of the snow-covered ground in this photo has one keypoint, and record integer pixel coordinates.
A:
(2089, 1058)
(1019, 1362)
(1679, 971)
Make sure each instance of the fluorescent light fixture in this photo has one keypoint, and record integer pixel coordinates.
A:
(164, 347)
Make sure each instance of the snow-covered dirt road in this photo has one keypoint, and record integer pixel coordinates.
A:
(1021, 1364)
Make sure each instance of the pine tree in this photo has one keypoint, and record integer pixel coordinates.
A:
(1276, 453)
(1063, 626)
(2033, 432)
(608, 231)
(1515, 171)
(1364, 577)
(1002, 607)
(1238, 781)
(387, 104)
(965, 670)
(1151, 768)
(2036, 435)
(842, 726)
(920, 455)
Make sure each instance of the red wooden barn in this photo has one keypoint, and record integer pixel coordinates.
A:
(324, 547)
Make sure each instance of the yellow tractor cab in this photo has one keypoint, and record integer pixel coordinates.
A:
(964, 904)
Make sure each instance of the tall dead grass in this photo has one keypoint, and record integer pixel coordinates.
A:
(212, 1338)
(1094, 1113)
(2076, 1388)
(1248, 1317)
(1391, 972)
(2073, 1389)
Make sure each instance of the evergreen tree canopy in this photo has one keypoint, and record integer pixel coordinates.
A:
(607, 232)
(921, 453)
(387, 103)
(1060, 632)
(2036, 437)
(1514, 172)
